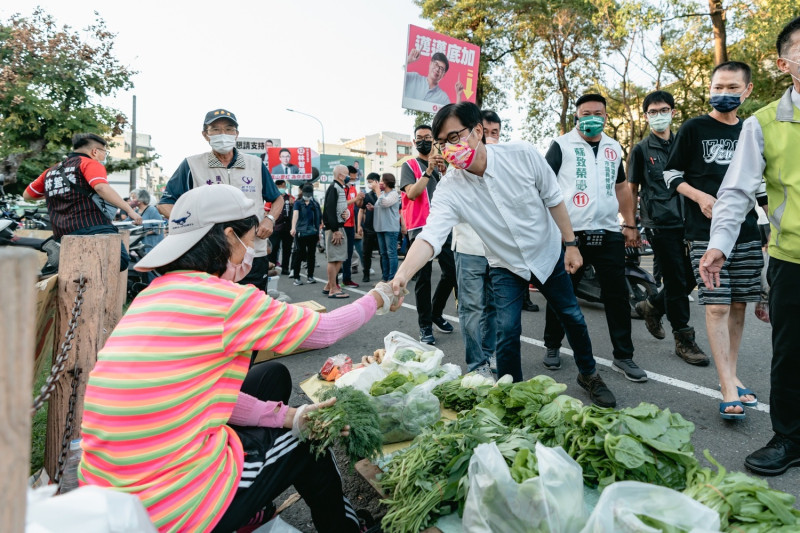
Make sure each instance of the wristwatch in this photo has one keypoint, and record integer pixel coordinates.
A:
(272, 218)
(571, 243)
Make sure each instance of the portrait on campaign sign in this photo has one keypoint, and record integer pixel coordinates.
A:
(294, 163)
(326, 164)
(440, 70)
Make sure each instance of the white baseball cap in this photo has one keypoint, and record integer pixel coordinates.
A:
(193, 216)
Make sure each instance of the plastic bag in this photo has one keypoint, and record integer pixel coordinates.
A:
(551, 502)
(397, 344)
(335, 367)
(88, 508)
(276, 525)
(362, 378)
(623, 503)
(449, 372)
(404, 416)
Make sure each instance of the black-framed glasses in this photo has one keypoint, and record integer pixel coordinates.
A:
(428, 137)
(453, 137)
(663, 111)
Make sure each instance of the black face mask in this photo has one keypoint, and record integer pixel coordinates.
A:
(424, 147)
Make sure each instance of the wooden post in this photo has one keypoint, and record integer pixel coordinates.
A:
(18, 266)
(97, 258)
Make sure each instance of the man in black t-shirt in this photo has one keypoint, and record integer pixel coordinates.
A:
(368, 235)
(703, 150)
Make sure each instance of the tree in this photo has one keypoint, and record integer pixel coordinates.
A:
(51, 81)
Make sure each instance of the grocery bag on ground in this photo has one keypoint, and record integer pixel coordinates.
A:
(637, 507)
(403, 416)
(551, 502)
(362, 378)
(404, 353)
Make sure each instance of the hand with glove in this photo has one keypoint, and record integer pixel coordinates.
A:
(386, 299)
(297, 418)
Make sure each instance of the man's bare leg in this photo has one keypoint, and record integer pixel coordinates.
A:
(735, 329)
(719, 338)
(333, 272)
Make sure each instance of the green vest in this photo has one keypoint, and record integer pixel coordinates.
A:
(780, 123)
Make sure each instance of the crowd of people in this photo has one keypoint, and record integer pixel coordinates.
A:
(176, 413)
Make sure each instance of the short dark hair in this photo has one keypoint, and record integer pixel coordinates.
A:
(389, 180)
(657, 97)
(373, 176)
(280, 181)
(438, 56)
(307, 189)
(79, 140)
(212, 252)
(590, 97)
(351, 169)
(285, 150)
(487, 115)
(468, 113)
(734, 66)
(422, 127)
(785, 35)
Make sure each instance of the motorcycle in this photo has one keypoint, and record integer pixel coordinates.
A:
(48, 246)
(640, 282)
(138, 281)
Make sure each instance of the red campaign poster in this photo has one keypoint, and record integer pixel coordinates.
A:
(440, 70)
(289, 163)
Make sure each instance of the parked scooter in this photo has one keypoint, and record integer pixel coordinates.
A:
(641, 283)
(138, 281)
(48, 245)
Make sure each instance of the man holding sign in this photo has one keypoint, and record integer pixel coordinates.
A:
(427, 88)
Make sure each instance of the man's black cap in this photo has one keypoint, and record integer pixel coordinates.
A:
(211, 116)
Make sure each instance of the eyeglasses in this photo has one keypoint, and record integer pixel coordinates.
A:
(103, 149)
(453, 137)
(663, 111)
(229, 130)
(438, 66)
(425, 138)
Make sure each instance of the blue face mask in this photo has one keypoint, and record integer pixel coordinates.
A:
(725, 102)
(347, 180)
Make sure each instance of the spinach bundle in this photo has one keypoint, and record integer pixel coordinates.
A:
(464, 393)
(516, 403)
(353, 408)
(745, 504)
(403, 416)
(396, 381)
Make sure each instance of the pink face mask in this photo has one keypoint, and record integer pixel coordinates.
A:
(236, 273)
(461, 154)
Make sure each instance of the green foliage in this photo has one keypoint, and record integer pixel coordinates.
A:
(51, 81)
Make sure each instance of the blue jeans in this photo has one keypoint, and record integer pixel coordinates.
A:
(476, 310)
(387, 245)
(557, 290)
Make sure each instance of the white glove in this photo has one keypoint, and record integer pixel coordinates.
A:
(387, 295)
(299, 420)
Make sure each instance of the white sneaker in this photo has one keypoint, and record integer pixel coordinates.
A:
(493, 363)
(485, 372)
(371, 270)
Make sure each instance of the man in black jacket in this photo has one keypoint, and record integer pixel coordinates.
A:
(333, 217)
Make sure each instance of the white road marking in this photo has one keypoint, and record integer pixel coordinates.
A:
(679, 383)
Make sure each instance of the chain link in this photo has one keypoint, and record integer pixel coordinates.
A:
(67, 437)
(61, 360)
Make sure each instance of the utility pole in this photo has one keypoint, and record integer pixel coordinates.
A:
(133, 146)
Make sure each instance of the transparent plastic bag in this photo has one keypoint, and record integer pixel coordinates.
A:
(623, 504)
(425, 359)
(277, 525)
(404, 416)
(551, 502)
(362, 378)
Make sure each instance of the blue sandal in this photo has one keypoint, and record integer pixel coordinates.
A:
(743, 391)
(731, 416)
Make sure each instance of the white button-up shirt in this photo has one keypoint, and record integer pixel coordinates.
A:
(507, 207)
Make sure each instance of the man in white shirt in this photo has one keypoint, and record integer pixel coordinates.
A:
(503, 191)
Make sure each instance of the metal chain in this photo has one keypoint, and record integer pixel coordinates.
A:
(61, 360)
(67, 437)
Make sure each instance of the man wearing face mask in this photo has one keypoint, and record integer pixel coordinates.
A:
(767, 150)
(588, 164)
(661, 213)
(418, 179)
(281, 238)
(71, 190)
(224, 164)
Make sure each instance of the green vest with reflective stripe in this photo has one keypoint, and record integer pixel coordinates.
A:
(780, 123)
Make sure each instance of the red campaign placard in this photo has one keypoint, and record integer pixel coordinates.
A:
(439, 70)
(289, 163)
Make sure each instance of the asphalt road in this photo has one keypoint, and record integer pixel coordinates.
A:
(674, 384)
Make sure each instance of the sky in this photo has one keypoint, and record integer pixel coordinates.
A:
(339, 61)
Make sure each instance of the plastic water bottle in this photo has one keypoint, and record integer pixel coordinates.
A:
(69, 479)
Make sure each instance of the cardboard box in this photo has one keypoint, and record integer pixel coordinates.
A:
(268, 355)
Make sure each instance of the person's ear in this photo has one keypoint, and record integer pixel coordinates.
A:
(205, 136)
(748, 90)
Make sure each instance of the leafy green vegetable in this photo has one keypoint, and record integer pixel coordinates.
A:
(394, 381)
(403, 416)
(459, 398)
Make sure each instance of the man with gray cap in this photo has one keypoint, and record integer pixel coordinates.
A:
(226, 165)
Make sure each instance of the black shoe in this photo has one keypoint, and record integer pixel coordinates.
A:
(552, 359)
(598, 392)
(630, 369)
(426, 335)
(652, 318)
(442, 325)
(780, 454)
(528, 305)
(365, 279)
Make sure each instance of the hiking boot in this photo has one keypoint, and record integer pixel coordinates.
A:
(652, 318)
(630, 369)
(552, 359)
(426, 335)
(598, 392)
(442, 325)
(687, 349)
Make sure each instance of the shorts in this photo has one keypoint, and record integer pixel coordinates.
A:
(739, 279)
(335, 252)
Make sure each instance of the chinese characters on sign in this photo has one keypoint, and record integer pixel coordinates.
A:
(440, 70)
(256, 145)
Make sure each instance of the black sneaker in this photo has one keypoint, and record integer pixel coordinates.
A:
(365, 279)
(598, 392)
(442, 325)
(528, 305)
(552, 359)
(630, 369)
(311, 280)
(297, 281)
(426, 335)
(780, 454)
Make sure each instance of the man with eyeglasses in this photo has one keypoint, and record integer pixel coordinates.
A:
(418, 179)
(77, 193)
(661, 212)
(225, 164)
(426, 88)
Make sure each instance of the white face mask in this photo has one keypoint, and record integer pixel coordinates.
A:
(222, 143)
(790, 72)
(236, 273)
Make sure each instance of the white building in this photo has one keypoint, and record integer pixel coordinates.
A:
(149, 176)
(379, 150)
